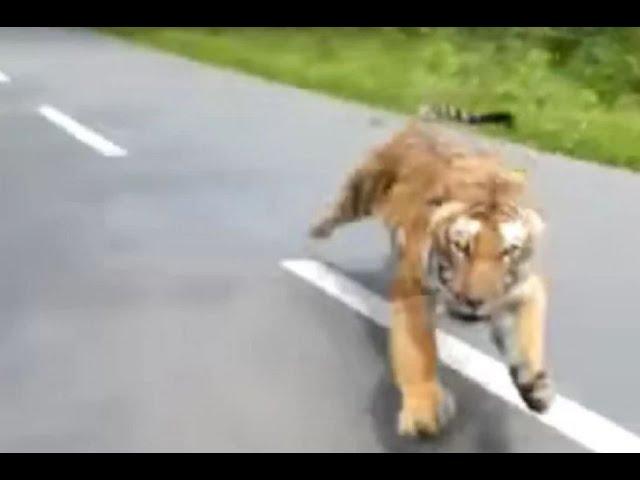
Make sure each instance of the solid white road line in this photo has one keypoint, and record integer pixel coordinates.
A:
(4, 78)
(81, 133)
(576, 422)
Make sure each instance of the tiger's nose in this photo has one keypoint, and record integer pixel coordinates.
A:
(472, 302)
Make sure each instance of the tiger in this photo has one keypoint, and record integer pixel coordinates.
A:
(466, 239)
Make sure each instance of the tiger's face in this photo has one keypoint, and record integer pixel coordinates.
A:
(480, 256)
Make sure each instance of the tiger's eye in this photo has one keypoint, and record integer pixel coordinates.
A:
(461, 247)
(510, 251)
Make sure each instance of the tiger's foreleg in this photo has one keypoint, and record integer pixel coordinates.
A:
(519, 335)
(426, 406)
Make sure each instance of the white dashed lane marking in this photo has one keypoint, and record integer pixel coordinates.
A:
(81, 133)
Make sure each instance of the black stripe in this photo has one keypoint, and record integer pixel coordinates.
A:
(367, 191)
(495, 117)
(356, 193)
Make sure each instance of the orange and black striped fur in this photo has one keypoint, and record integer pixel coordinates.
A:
(368, 185)
(464, 232)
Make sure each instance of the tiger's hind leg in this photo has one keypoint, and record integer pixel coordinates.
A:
(348, 208)
(324, 227)
(364, 189)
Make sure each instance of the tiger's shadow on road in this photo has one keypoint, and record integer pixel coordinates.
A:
(480, 424)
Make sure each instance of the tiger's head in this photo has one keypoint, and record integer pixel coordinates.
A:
(480, 255)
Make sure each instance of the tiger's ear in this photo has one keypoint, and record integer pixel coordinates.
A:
(534, 221)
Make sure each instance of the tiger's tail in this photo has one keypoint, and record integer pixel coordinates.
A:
(455, 114)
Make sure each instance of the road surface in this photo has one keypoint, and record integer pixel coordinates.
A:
(147, 205)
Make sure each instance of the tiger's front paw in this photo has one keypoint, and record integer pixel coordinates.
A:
(426, 413)
(535, 390)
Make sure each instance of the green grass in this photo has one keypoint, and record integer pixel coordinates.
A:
(575, 91)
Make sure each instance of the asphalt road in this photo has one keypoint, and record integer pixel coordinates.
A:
(142, 305)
